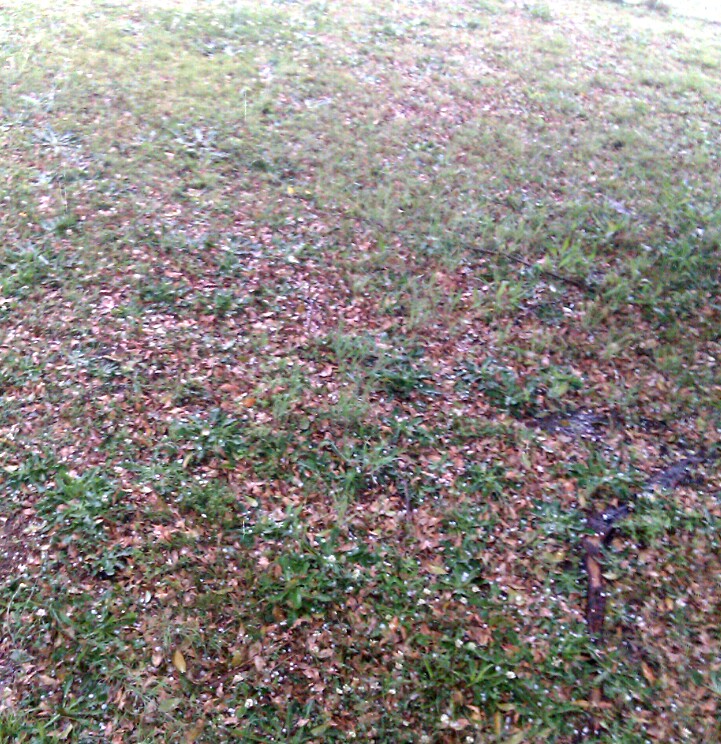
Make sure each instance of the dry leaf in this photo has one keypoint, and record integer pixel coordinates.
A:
(259, 663)
(179, 662)
(195, 732)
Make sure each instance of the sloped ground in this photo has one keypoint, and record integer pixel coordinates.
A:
(324, 329)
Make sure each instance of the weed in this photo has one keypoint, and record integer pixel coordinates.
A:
(27, 268)
(540, 11)
(200, 439)
(78, 507)
(501, 385)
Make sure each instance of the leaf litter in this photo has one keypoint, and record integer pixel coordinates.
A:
(282, 455)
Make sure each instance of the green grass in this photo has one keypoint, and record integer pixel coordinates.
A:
(288, 296)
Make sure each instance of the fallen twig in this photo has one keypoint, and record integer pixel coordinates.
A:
(602, 526)
(575, 281)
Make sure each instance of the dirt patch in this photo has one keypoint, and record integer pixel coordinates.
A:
(579, 424)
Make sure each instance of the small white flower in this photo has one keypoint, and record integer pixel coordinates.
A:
(511, 675)
(249, 703)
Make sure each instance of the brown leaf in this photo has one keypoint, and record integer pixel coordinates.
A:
(259, 663)
(195, 732)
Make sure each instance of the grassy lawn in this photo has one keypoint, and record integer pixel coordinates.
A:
(323, 328)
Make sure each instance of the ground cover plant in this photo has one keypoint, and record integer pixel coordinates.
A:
(328, 333)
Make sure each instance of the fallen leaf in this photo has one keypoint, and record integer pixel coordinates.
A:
(195, 732)
(169, 704)
(179, 662)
